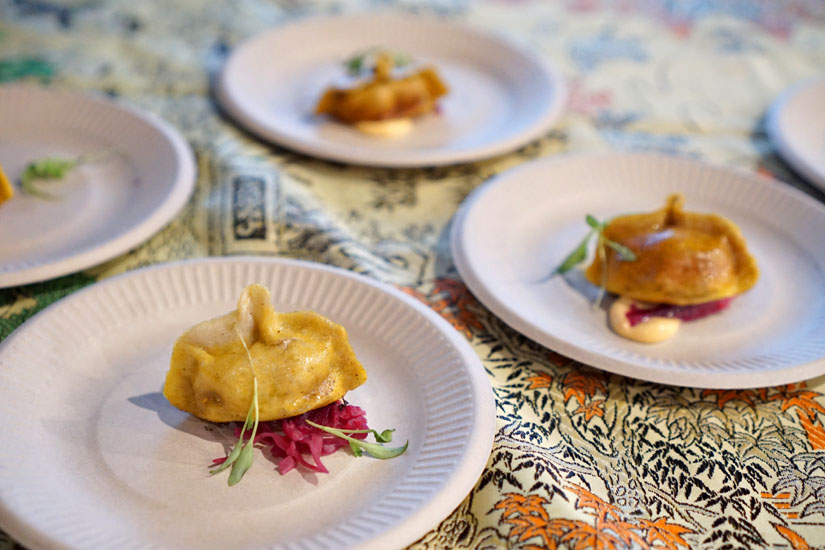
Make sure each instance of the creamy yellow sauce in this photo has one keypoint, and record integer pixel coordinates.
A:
(390, 128)
(655, 329)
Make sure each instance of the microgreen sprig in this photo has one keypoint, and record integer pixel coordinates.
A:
(579, 254)
(375, 450)
(53, 169)
(45, 169)
(357, 63)
(241, 455)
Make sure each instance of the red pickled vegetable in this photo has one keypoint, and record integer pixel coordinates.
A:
(638, 315)
(290, 439)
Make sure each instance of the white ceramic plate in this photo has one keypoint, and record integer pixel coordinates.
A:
(796, 125)
(516, 229)
(501, 96)
(93, 456)
(102, 209)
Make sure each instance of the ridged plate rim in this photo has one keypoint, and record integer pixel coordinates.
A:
(473, 406)
(177, 189)
(625, 357)
(232, 97)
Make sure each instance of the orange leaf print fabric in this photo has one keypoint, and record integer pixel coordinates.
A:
(609, 530)
(797, 542)
(453, 301)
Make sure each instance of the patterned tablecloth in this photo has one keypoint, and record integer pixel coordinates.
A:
(582, 458)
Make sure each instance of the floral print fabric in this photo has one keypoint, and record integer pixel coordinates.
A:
(582, 459)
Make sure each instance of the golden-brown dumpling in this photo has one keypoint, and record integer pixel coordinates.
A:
(682, 258)
(302, 361)
(384, 97)
(6, 190)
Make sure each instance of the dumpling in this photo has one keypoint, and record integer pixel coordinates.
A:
(6, 190)
(302, 361)
(385, 96)
(682, 258)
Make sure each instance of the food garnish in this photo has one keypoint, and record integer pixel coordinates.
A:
(45, 170)
(375, 450)
(579, 254)
(319, 433)
(53, 169)
(638, 314)
(665, 266)
(240, 457)
(356, 64)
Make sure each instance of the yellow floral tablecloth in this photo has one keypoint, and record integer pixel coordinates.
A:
(582, 458)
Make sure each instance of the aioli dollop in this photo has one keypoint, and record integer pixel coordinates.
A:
(391, 128)
(650, 331)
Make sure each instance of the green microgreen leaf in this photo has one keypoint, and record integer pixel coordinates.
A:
(44, 170)
(53, 169)
(358, 62)
(356, 449)
(355, 64)
(576, 257)
(579, 254)
(230, 459)
(375, 450)
(241, 465)
(241, 455)
(244, 461)
(624, 252)
(381, 437)
(593, 222)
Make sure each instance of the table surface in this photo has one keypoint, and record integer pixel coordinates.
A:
(582, 458)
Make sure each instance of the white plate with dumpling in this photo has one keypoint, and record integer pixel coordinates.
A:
(512, 232)
(501, 96)
(93, 456)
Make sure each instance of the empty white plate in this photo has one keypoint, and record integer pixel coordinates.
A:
(512, 232)
(101, 209)
(501, 96)
(796, 126)
(93, 456)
